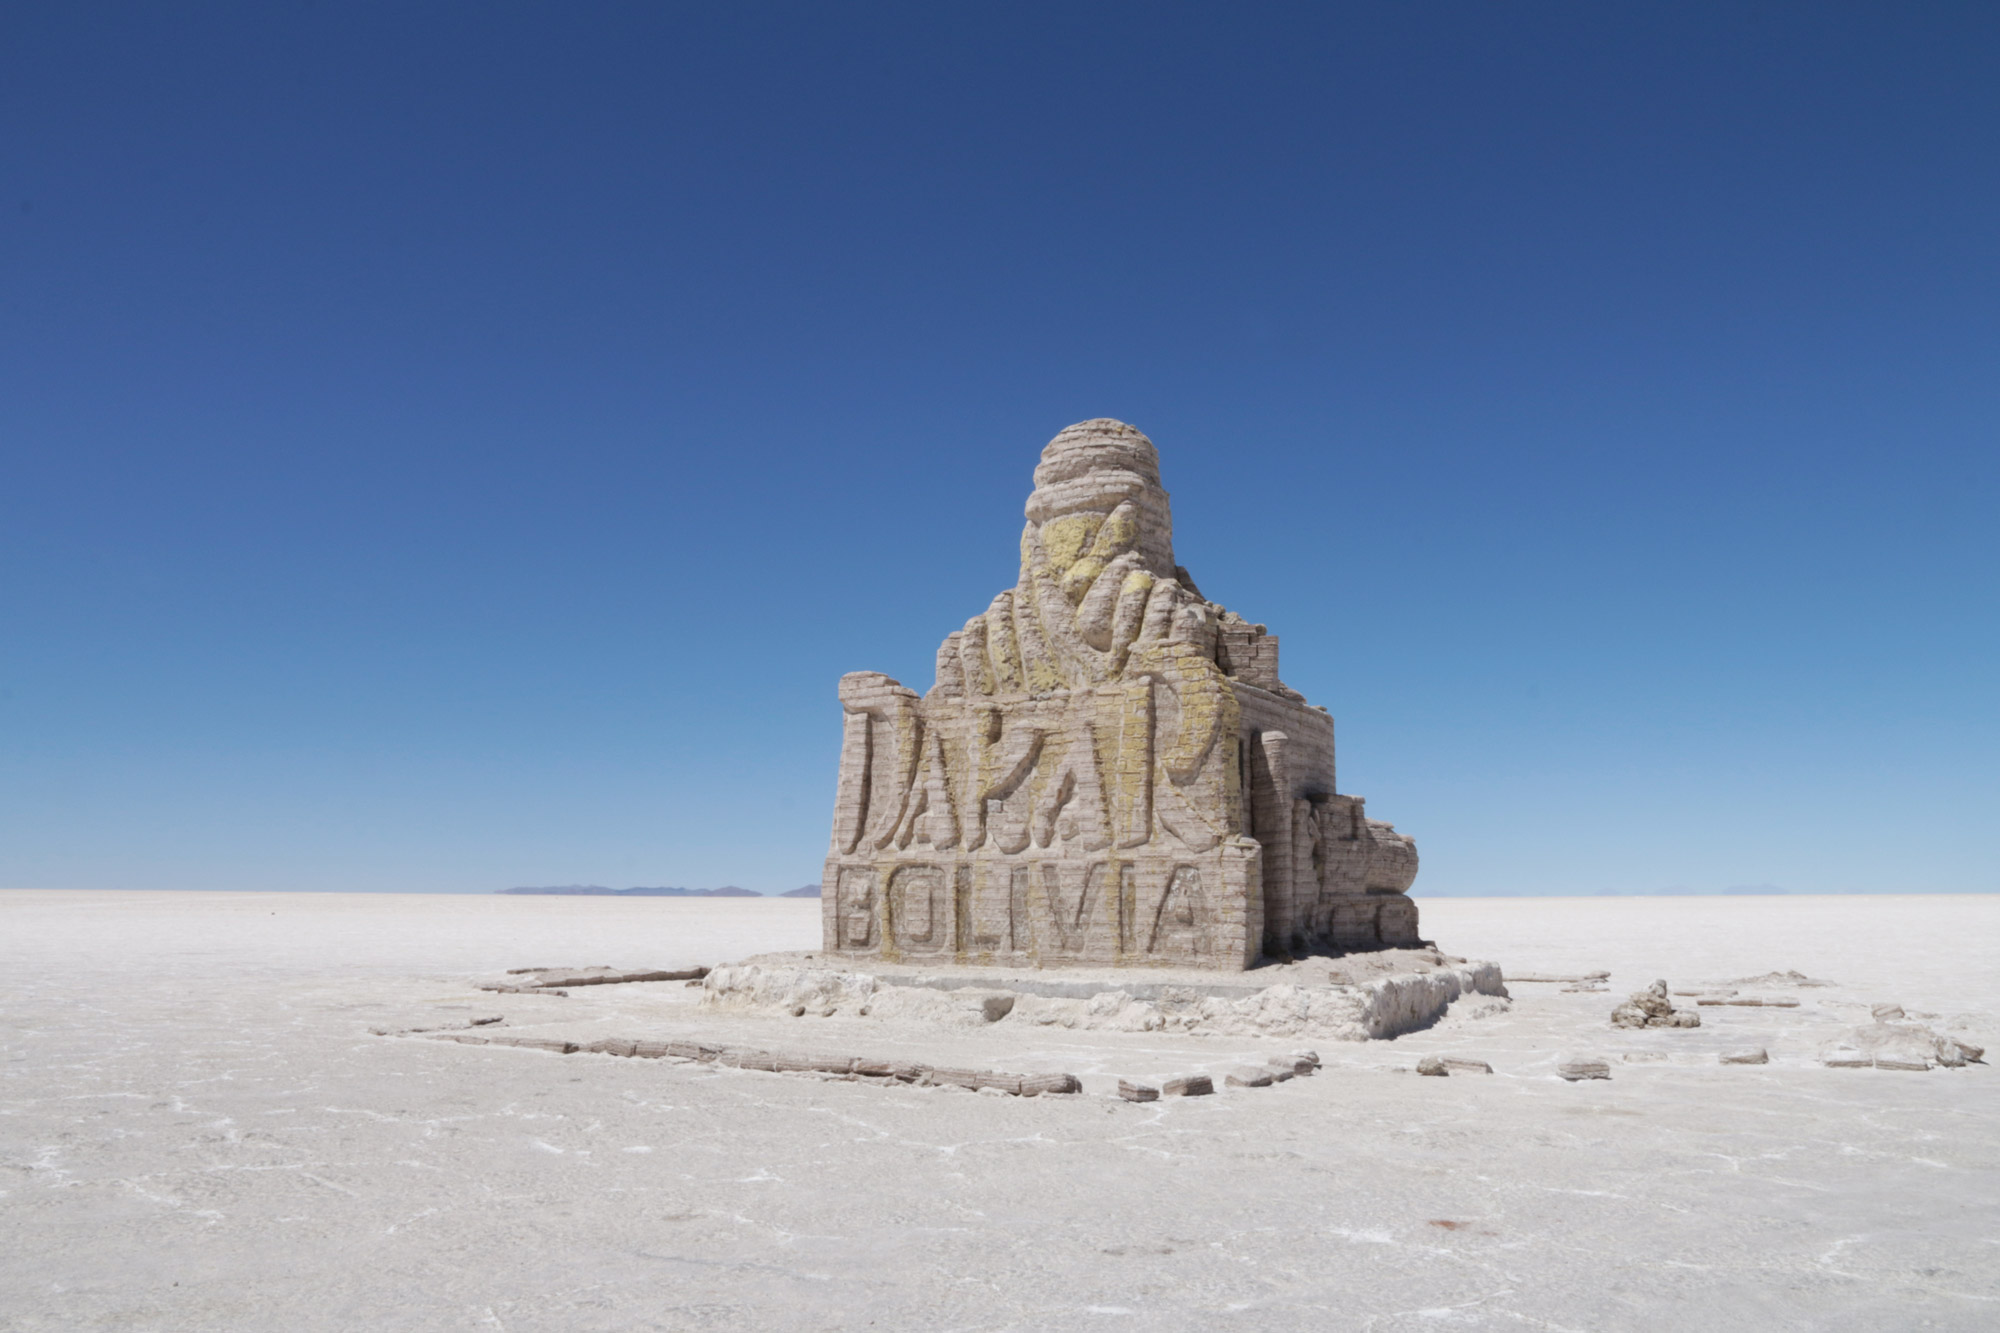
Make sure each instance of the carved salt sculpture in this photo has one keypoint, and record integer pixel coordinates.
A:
(1107, 771)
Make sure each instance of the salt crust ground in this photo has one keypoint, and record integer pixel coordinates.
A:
(198, 1133)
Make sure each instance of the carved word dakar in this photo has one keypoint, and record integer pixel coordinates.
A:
(1108, 769)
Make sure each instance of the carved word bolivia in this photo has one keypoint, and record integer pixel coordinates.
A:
(1108, 769)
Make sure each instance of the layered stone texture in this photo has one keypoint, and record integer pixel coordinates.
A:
(1108, 769)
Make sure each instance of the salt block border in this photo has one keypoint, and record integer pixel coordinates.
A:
(861, 1068)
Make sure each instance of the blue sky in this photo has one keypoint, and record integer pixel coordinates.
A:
(451, 447)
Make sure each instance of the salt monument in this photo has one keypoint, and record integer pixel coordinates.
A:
(1108, 770)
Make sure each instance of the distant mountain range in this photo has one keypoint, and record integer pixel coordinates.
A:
(599, 891)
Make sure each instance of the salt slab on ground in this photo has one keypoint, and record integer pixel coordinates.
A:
(199, 1132)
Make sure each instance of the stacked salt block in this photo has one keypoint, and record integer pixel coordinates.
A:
(784, 1062)
(1392, 1004)
(1650, 1008)
(1108, 769)
(555, 978)
(1576, 1068)
(1893, 1041)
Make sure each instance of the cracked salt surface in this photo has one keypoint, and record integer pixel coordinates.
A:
(196, 1132)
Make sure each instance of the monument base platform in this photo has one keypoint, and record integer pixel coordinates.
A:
(1353, 997)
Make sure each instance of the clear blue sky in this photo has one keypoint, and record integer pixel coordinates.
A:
(451, 447)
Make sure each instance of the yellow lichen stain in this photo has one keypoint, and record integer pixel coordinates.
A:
(1129, 616)
(1043, 677)
(909, 743)
(1118, 535)
(956, 760)
(1004, 653)
(1208, 709)
(1046, 765)
(1076, 580)
(885, 913)
(1207, 705)
(1232, 776)
(1064, 539)
(982, 681)
(1114, 537)
(1131, 774)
